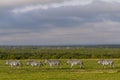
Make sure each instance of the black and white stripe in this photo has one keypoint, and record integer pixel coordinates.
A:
(73, 62)
(34, 63)
(52, 62)
(106, 62)
(14, 63)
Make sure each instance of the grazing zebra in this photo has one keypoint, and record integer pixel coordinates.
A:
(34, 63)
(106, 62)
(73, 62)
(14, 63)
(52, 62)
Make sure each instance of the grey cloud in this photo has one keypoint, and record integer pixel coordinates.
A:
(8, 3)
(66, 16)
(88, 24)
(89, 33)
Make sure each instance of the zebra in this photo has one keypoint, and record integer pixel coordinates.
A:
(52, 62)
(73, 62)
(34, 63)
(106, 62)
(14, 63)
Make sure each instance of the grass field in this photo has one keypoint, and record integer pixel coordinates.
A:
(91, 71)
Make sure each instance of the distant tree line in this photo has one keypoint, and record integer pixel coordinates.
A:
(58, 53)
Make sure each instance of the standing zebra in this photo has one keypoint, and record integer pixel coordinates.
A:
(52, 62)
(73, 62)
(14, 63)
(106, 62)
(34, 63)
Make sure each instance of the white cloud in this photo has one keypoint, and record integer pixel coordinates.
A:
(18, 2)
(4, 3)
(56, 4)
(12, 2)
(111, 1)
(53, 5)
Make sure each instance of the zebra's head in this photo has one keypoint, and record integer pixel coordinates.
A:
(42, 64)
(100, 61)
(29, 61)
(46, 60)
(19, 63)
(7, 62)
(69, 61)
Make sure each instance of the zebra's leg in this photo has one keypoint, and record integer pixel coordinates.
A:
(39, 66)
(104, 66)
(71, 65)
(32, 66)
(81, 66)
(12, 66)
(18, 67)
(111, 66)
(58, 64)
(51, 65)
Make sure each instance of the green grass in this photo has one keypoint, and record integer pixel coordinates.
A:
(91, 71)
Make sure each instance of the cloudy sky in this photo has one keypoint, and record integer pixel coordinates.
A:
(59, 22)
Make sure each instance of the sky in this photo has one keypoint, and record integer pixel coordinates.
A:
(59, 22)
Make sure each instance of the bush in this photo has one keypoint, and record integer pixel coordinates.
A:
(62, 53)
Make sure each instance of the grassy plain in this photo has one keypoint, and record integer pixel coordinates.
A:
(91, 71)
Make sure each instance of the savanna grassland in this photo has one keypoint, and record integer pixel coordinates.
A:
(91, 71)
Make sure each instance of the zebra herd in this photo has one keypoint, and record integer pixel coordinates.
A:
(56, 62)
